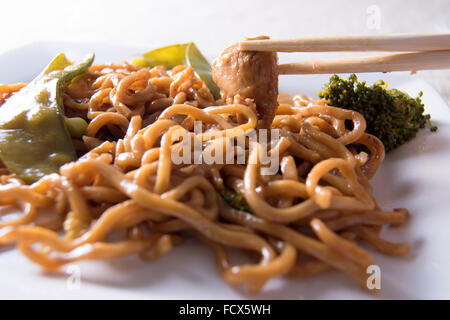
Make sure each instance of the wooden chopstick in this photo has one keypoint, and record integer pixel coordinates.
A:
(352, 43)
(425, 60)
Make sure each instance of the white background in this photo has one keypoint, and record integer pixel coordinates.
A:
(215, 24)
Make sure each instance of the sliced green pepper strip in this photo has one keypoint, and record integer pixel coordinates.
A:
(170, 56)
(34, 139)
(187, 54)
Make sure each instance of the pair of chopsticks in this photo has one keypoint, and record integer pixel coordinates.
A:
(424, 52)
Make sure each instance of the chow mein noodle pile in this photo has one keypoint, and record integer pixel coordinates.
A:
(307, 218)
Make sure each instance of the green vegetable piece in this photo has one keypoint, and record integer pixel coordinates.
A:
(77, 126)
(235, 200)
(202, 68)
(170, 56)
(391, 115)
(177, 54)
(34, 139)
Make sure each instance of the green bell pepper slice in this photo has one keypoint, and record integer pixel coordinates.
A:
(34, 137)
(177, 54)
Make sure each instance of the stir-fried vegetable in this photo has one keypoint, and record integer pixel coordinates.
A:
(391, 115)
(77, 126)
(187, 54)
(34, 136)
(235, 200)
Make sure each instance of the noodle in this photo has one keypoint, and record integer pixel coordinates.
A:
(317, 206)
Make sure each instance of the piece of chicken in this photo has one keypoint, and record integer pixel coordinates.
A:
(249, 74)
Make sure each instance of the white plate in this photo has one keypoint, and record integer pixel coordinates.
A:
(416, 176)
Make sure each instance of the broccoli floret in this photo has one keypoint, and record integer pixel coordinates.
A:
(391, 115)
(235, 200)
